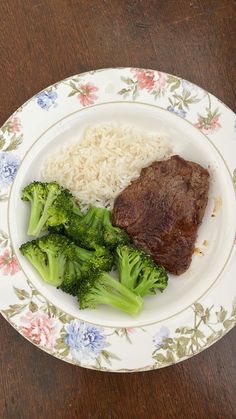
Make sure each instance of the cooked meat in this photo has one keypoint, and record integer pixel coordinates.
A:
(162, 210)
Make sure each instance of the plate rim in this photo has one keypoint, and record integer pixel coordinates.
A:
(153, 366)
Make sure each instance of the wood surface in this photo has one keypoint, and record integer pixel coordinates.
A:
(41, 42)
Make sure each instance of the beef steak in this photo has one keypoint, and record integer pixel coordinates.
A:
(162, 210)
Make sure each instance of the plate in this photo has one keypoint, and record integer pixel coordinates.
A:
(197, 308)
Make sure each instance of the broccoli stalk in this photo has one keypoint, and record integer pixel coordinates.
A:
(138, 272)
(34, 193)
(102, 288)
(41, 196)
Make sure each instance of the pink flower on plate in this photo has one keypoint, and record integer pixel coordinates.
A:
(87, 94)
(40, 328)
(208, 125)
(161, 81)
(8, 263)
(15, 125)
(145, 78)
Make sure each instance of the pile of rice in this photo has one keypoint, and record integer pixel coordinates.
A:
(99, 165)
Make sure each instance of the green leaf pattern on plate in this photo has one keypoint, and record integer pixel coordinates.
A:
(208, 326)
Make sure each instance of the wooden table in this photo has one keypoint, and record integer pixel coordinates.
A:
(43, 41)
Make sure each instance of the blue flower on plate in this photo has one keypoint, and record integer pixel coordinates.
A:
(46, 99)
(177, 111)
(160, 336)
(9, 164)
(235, 125)
(190, 87)
(84, 340)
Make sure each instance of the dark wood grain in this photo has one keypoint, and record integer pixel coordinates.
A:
(42, 42)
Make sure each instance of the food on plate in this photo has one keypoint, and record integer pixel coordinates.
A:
(49, 205)
(81, 249)
(55, 208)
(102, 288)
(47, 255)
(94, 228)
(61, 262)
(138, 272)
(97, 166)
(162, 210)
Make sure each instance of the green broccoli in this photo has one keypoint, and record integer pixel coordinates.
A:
(152, 277)
(95, 228)
(88, 229)
(81, 262)
(62, 209)
(129, 262)
(41, 196)
(113, 236)
(101, 288)
(47, 255)
(71, 278)
(138, 272)
(36, 257)
(98, 259)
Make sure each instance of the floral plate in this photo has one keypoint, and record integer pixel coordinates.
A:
(123, 345)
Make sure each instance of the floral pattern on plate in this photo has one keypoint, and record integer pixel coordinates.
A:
(85, 92)
(57, 332)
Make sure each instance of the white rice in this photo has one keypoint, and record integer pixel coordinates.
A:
(100, 164)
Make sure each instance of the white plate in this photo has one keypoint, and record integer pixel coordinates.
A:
(197, 308)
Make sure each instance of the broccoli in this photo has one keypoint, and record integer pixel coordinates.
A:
(153, 277)
(113, 236)
(36, 257)
(41, 196)
(47, 255)
(98, 259)
(101, 288)
(88, 229)
(71, 278)
(81, 262)
(129, 262)
(95, 228)
(138, 272)
(60, 212)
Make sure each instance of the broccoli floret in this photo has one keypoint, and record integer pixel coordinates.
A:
(81, 262)
(62, 209)
(129, 262)
(88, 229)
(47, 255)
(41, 196)
(113, 236)
(35, 193)
(95, 228)
(102, 288)
(152, 278)
(36, 257)
(138, 272)
(54, 245)
(98, 259)
(71, 278)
